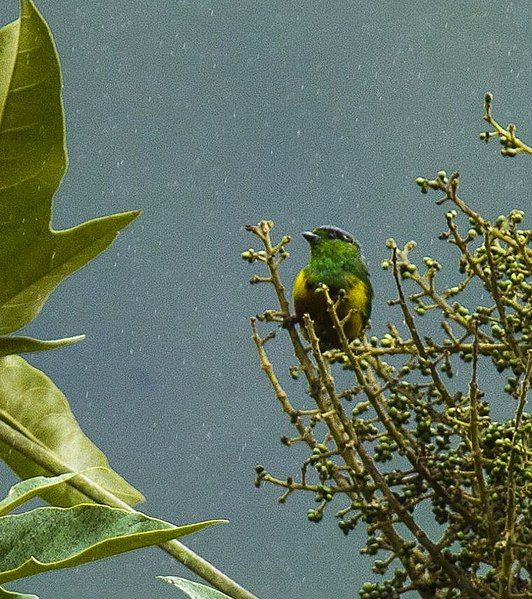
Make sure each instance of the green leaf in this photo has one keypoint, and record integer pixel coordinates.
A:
(194, 590)
(34, 258)
(31, 403)
(23, 345)
(27, 489)
(50, 538)
(5, 594)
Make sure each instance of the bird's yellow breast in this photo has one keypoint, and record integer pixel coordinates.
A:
(307, 301)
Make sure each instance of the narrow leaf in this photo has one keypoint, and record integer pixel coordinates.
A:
(27, 489)
(23, 345)
(194, 590)
(31, 402)
(51, 538)
(5, 594)
(34, 258)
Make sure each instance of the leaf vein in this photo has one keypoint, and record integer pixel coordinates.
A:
(21, 88)
(21, 128)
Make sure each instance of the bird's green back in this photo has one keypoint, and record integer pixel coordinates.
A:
(335, 263)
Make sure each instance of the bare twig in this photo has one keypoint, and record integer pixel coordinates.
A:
(508, 537)
(475, 446)
(512, 145)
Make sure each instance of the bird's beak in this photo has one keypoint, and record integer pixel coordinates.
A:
(312, 238)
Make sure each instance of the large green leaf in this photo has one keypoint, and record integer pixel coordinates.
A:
(22, 345)
(34, 258)
(27, 489)
(31, 403)
(194, 590)
(50, 538)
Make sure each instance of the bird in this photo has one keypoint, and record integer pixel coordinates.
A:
(336, 261)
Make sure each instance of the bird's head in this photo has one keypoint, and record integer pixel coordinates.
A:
(332, 242)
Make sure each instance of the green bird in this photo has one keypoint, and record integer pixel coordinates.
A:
(336, 261)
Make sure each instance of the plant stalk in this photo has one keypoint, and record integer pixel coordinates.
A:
(95, 492)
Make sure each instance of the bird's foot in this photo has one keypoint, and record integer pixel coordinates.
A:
(289, 321)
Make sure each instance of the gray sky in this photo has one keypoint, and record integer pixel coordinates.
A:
(208, 115)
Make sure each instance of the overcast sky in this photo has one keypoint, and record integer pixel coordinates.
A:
(211, 114)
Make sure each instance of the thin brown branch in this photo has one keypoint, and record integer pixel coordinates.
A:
(459, 579)
(505, 587)
(409, 320)
(512, 144)
(476, 449)
(508, 334)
